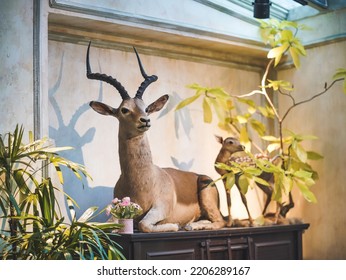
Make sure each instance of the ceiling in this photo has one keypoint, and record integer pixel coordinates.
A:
(222, 32)
(280, 9)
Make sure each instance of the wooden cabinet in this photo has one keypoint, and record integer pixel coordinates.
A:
(269, 242)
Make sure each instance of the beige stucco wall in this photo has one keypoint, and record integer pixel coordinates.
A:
(324, 117)
(16, 71)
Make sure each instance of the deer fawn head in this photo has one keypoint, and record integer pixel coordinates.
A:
(230, 144)
(133, 114)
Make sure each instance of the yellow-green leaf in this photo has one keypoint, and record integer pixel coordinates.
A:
(341, 74)
(219, 93)
(287, 183)
(308, 195)
(302, 174)
(243, 184)
(314, 156)
(273, 147)
(295, 56)
(241, 119)
(261, 181)
(278, 52)
(271, 138)
(230, 180)
(187, 101)
(244, 138)
(207, 114)
(286, 35)
(258, 126)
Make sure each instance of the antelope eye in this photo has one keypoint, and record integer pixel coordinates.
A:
(124, 110)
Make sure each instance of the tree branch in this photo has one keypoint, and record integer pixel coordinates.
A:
(327, 88)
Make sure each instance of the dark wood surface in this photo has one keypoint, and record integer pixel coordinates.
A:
(279, 242)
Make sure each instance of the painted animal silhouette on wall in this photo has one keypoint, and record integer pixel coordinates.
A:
(171, 199)
(66, 134)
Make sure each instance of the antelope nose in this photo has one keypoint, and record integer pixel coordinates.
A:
(145, 121)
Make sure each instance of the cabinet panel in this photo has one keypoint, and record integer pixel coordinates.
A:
(188, 254)
(278, 250)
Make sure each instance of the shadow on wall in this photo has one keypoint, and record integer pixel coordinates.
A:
(67, 135)
(182, 120)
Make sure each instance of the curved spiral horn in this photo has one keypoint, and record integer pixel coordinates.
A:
(147, 79)
(105, 78)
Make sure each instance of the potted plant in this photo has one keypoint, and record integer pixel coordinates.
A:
(292, 169)
(28, 203)
(124, 211)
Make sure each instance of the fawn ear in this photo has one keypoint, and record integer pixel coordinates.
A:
(157, 105)
(102, 108)
(219, 139)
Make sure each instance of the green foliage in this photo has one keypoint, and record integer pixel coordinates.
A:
(341, 75)
(282, 38)
(28, 201)
(242, 117)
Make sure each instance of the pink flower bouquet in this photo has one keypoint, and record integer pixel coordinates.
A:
(123, 209)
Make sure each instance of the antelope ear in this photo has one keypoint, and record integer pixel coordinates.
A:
(157, 105)
(102, 108)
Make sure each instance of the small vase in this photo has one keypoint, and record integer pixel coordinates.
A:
(127, 226)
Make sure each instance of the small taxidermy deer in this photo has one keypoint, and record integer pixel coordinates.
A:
(171, 199)
(233, 151)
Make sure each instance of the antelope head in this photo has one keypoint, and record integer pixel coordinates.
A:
(133, 114)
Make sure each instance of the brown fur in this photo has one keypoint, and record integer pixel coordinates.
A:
(170, 198)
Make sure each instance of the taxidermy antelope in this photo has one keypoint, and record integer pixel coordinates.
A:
(170, 198)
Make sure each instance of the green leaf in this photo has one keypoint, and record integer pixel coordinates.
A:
(341, 74)
(187, 101)
(258, 126)
(287, 183)
(223, 166)
(271, 138)
(87, 214)
(300, 152)
(277, 192)
(299, 47)
(307, 194)
(314, 156)
(244, 138)
(302, 174)
(266, 111)
(252, 171)
(261, 181)
(278, 52)
(243, 184)
(280, 84)
(241, 119)
(219, 93)
(273, 147)
(208, 116)
(230, 181)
